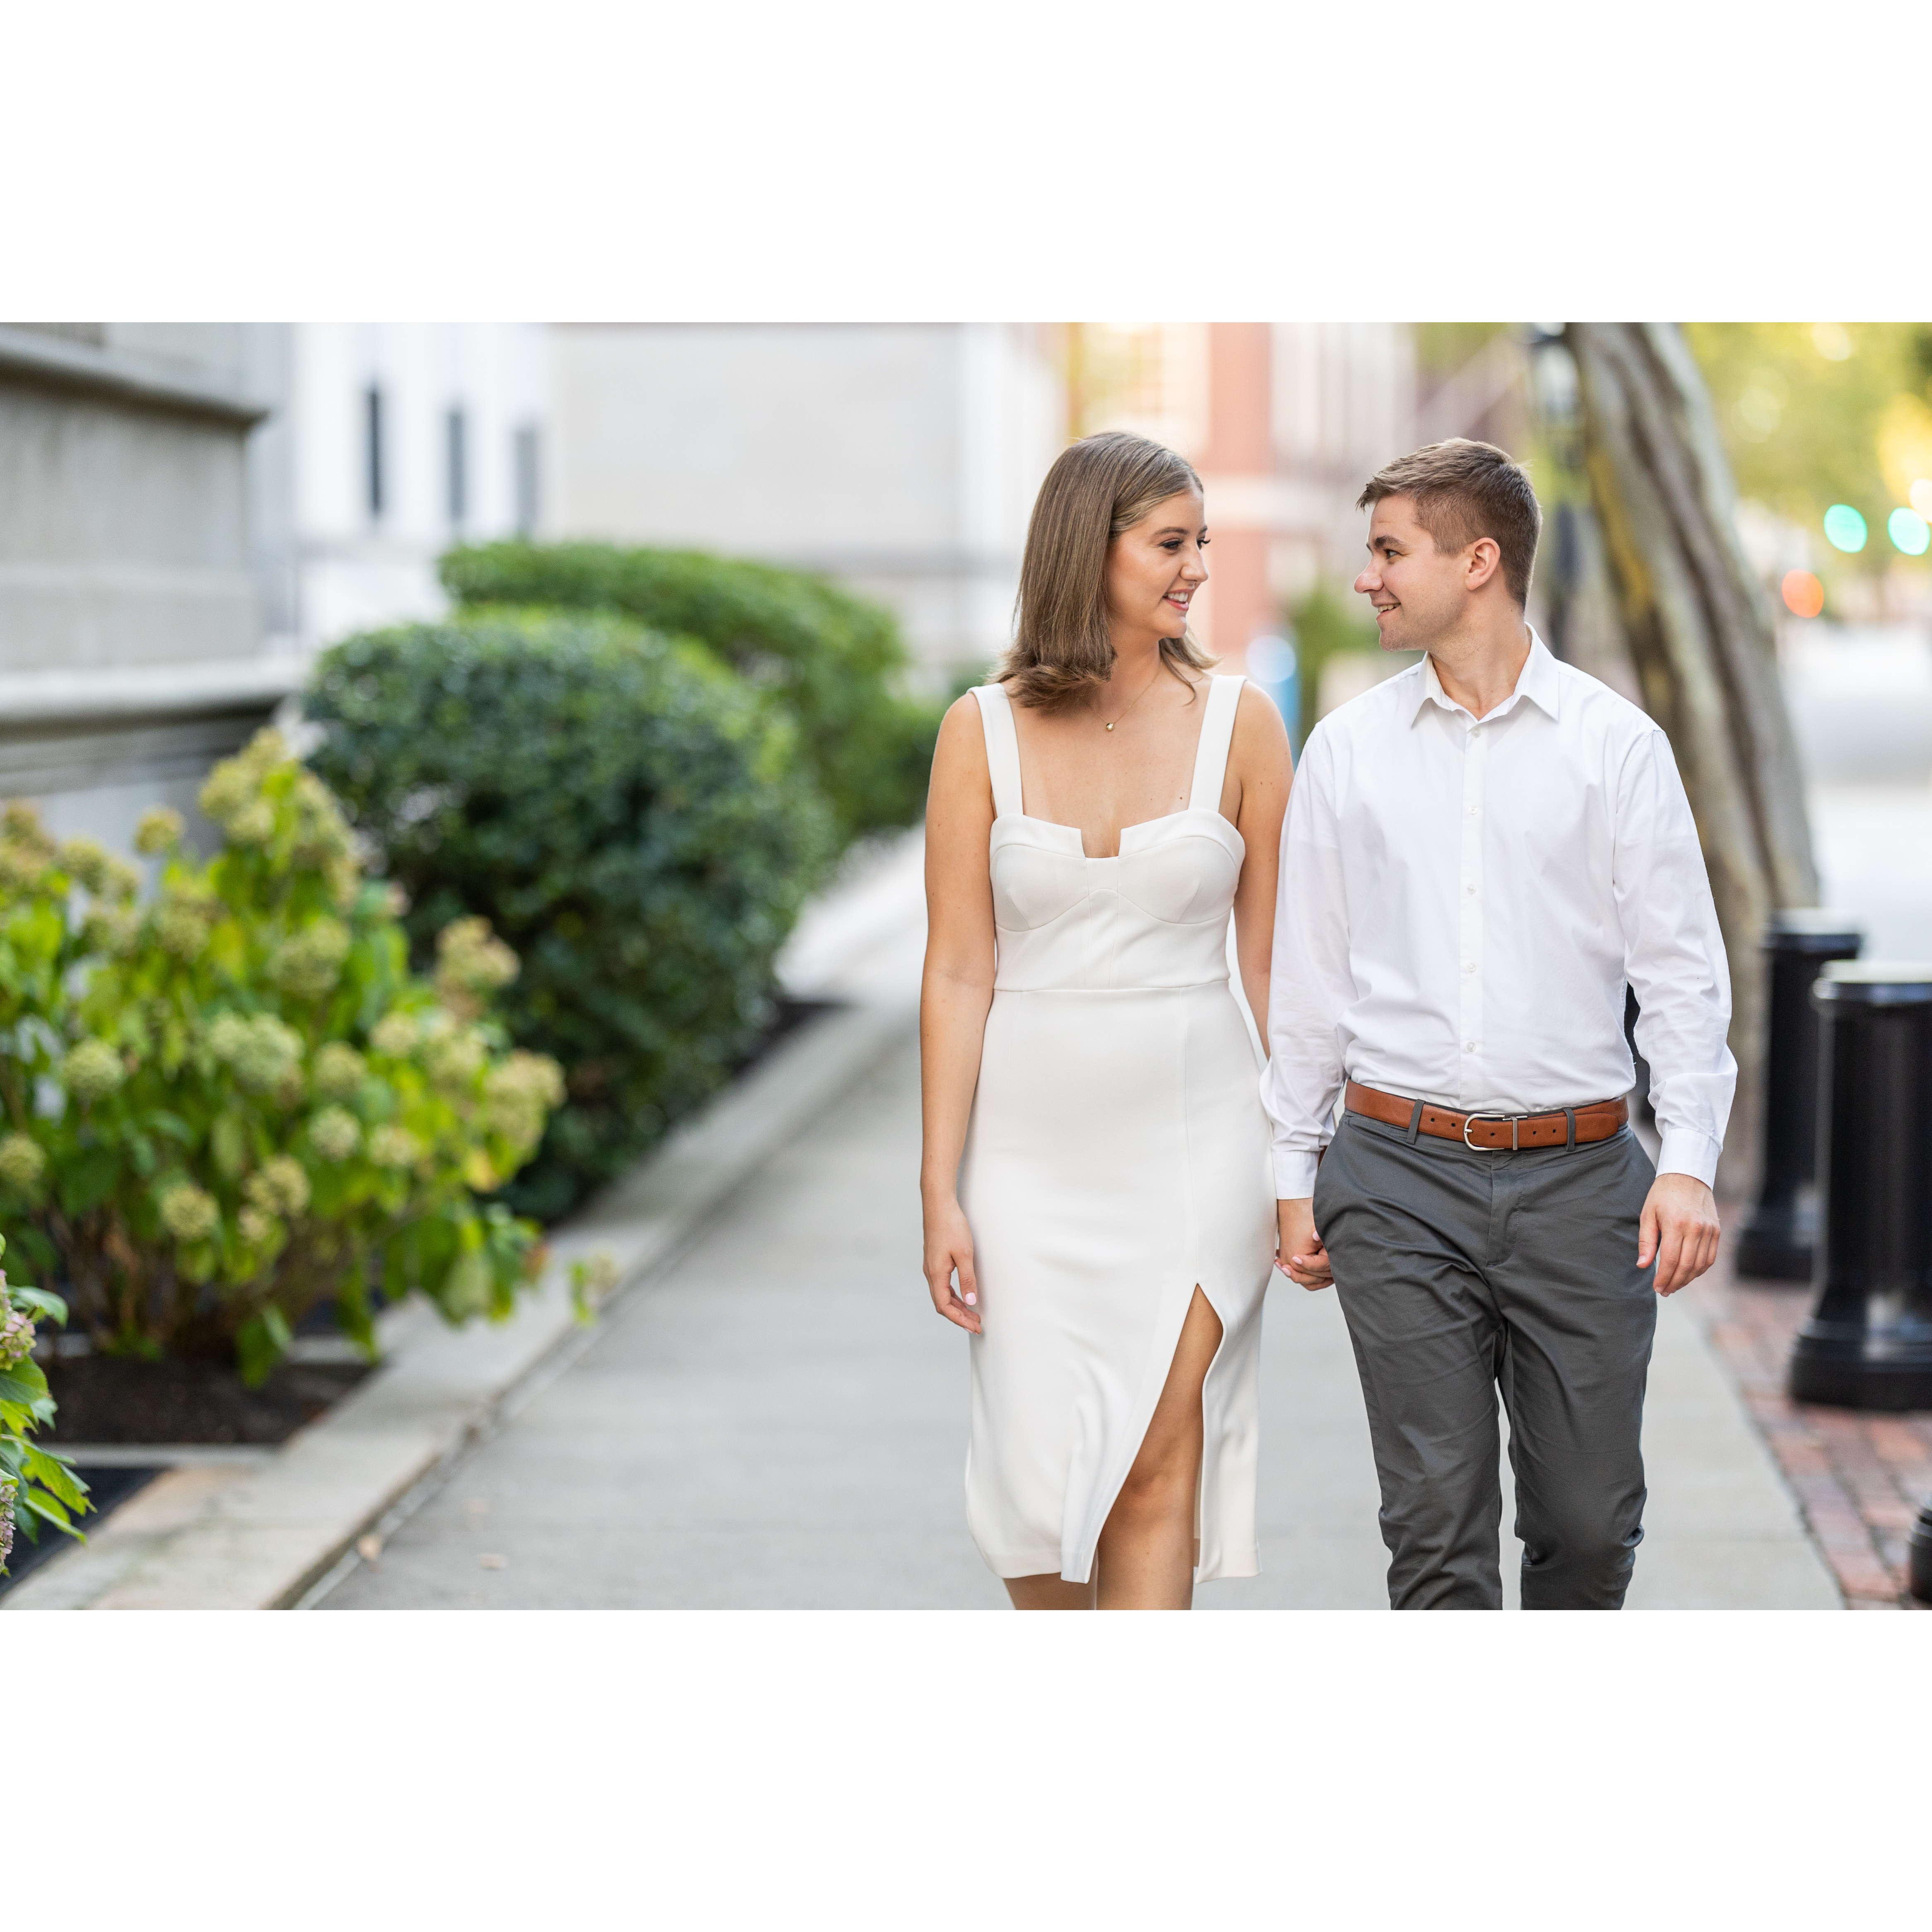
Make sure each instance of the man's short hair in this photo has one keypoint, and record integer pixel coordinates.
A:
(1464, 490)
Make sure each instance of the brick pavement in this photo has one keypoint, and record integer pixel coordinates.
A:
(1859, 1477)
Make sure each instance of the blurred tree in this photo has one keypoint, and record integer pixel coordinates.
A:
(1818, 413)
(1325, 622)
(1699, 635)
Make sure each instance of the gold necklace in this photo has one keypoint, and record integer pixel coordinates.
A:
(1111, 722)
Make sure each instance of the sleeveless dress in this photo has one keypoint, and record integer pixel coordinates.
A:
(1116, 1158)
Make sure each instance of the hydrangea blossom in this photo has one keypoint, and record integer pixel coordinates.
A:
(22, 1162)
(336, 1132)
(279, 1186)
(92, 866)
(160, 830)
(17, 1332)
(394, 1147)
(92, 1070)
(339, 1071)
(471, 963)
(263, 1050)
(396, 1034)
(308, 963)
(189, 1212)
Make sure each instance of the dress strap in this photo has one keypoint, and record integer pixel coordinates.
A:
(1217, 733)
(1003, 748)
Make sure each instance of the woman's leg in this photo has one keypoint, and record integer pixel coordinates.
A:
(1049, 1592)
(1148, 1547)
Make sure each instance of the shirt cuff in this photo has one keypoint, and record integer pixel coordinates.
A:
(1687, 1151)
(1295, 1173)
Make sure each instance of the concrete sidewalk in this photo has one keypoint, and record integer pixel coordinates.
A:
(777, 1421)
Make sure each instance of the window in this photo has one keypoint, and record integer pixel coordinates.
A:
(524, 460)
(372, 403)
(456, 455)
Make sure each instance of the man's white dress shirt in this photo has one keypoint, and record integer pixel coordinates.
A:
(1463, 902)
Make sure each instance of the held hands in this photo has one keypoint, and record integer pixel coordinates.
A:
(1299, 1253)
(949, 1250)
(1678, 1230)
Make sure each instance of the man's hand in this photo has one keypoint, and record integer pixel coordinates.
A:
(1299, 1253)
(1678, 1230)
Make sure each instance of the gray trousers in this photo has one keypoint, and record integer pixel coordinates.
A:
(1460, 1272)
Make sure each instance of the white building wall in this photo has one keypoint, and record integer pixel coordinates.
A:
(900, 459)
(1344, 404)
(358, 567)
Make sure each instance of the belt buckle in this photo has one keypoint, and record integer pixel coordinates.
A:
(1470, 1120)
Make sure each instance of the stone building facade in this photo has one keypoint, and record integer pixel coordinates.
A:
(144, 557)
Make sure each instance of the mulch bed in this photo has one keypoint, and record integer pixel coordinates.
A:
(107, 1399)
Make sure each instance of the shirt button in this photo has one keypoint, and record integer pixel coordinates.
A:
(1469, 966)
(1468, 1046)
(1471, 890)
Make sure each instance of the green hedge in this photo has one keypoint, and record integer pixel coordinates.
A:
(627, 815)
(833, 659)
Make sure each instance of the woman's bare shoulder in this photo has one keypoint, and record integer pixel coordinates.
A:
(1258, 723)
(961, 751)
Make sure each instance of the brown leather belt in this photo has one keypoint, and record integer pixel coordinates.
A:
(1572, 1126)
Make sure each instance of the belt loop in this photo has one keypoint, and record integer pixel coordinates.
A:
(1569, 1120)
(1515, 1128)
(1415, 1123)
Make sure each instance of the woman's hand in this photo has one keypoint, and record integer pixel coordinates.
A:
(1299, 1252)
(949, 1250)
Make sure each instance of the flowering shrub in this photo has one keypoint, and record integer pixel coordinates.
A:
(236, 1102)
(36, 1486)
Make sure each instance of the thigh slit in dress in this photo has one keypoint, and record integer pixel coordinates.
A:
(1116, 1160)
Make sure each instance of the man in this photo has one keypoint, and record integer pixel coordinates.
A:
(1481, 853)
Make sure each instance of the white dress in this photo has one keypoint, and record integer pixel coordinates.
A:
(1117, 1158)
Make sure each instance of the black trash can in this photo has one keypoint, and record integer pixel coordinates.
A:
(1868, 1344)
(1919, 1558)
(1779, 1239)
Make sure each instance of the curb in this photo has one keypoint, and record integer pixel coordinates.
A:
(231, 1537)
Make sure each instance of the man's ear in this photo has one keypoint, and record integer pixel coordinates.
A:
(1485, 560)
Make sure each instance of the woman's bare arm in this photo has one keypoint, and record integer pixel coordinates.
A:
(954, 995)
(1260, 759)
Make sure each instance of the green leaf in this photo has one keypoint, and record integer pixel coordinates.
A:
(41, 1303)
(260, 1343)
(89, 1179)
(24, 1382)
(228, 1141)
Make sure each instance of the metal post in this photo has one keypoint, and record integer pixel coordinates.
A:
(1778, 1239)
(1868, 1344)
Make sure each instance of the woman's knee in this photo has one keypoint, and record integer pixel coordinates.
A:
(1162, 1482)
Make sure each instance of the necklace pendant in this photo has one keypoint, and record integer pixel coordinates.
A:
(1111, 723)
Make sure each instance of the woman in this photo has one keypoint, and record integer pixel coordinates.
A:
(1098, 1212)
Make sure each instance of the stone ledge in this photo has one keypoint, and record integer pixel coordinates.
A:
(57, 362)
(116, 695)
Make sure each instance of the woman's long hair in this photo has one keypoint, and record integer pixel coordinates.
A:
(1099, 487)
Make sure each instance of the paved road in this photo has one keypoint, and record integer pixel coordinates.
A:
(777, 1423)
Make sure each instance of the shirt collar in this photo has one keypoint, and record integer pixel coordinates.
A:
(1538, 681)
